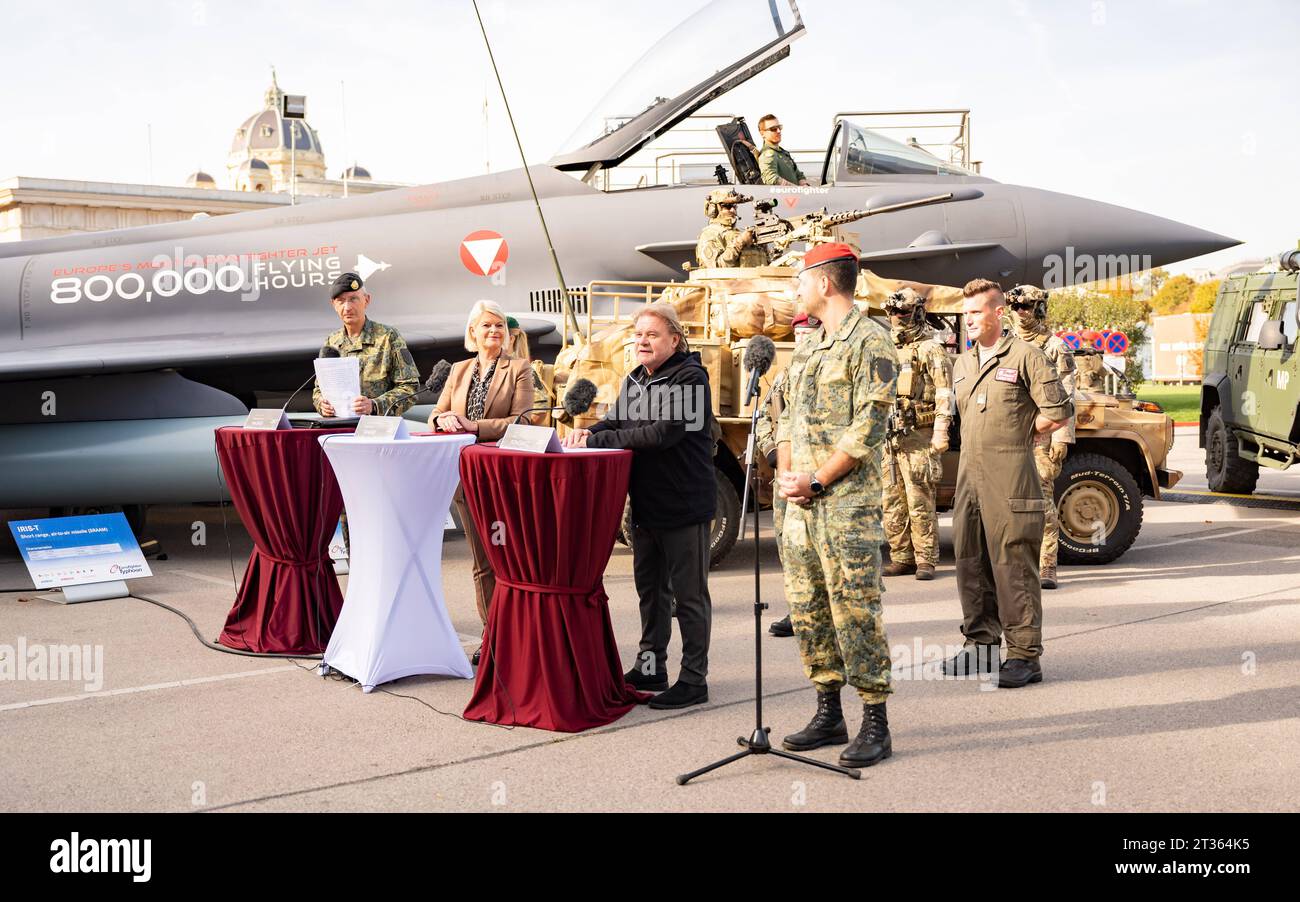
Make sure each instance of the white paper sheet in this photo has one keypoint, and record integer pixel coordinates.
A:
(339, 379)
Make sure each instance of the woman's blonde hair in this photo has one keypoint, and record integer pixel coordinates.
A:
(519, 344)
(475, 314)
(668, 314)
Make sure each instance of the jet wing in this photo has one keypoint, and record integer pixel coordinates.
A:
(926, 251)
(197, 349)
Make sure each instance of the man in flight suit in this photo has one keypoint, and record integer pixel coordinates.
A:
(1007, 393)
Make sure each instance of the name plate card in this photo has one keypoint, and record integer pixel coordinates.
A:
(382, 427)
(534, 439)
(268, 419)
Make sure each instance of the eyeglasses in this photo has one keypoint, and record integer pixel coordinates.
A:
(773, 128)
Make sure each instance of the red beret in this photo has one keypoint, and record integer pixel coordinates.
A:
(829, 253)
(800, 322)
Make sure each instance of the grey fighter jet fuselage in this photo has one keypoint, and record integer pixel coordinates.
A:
(120, 351)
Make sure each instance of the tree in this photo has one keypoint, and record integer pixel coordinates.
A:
(1155, 280)
(1204, 296)
(1175, 296)
(1098, 310)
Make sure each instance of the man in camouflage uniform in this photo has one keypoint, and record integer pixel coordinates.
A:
(389, 378)
(721, 244)
(1029, 322)
(839, 394)
(765, 441)
(916, 439)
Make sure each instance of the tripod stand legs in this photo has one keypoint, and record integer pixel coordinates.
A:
(759, 744)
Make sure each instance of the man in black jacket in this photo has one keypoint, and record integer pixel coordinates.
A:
(664, 415)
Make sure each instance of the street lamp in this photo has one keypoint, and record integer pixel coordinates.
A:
(293, 107)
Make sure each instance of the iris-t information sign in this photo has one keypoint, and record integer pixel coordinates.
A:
(76, 551)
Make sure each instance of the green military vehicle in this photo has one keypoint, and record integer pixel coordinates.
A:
(1250, 393)
(1121, 449)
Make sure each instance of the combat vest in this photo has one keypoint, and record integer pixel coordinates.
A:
(914, 405)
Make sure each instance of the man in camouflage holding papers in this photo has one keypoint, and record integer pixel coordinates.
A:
(389, 377)
(839, 394)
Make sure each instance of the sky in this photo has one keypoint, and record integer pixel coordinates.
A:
(1181, 108)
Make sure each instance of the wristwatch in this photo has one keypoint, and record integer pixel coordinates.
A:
(816, 485)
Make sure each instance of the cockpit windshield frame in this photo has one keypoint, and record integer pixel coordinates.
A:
(637, 98)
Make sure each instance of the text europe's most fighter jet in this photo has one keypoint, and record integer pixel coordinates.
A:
(120, 351)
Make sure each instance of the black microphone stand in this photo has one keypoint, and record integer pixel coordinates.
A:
(759, 742)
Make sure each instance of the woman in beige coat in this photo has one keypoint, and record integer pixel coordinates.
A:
(483, 395)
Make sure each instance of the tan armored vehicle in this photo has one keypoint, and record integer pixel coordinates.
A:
(1119, 458)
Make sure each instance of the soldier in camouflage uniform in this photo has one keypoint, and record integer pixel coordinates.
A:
(765, 441)
(1029, 322)
(839, 394)
(721, 244)
(389, 377)
(916, 439)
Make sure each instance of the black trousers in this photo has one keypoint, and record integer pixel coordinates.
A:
(668, 564)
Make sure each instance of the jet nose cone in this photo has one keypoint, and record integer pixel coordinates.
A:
(1072, 239)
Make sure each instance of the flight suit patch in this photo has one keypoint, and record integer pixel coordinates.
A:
(1007, 374)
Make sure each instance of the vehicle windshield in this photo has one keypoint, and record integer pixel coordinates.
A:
(686, 62)
(871, 153)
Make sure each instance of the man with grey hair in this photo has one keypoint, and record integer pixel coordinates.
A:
(664, 415)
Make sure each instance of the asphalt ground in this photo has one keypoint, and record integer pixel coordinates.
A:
(1171, 684)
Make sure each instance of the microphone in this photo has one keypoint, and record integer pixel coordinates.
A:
(579, 398)
(325, 351)
(758, 360)
(433, 385)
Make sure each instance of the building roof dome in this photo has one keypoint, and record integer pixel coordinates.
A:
(356, 172)
(268, 130)
(200, 179)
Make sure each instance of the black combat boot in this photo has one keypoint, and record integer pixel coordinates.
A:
(872, 744)
(782, 628)
(826, 728)
(1018, 672)
(974, 658)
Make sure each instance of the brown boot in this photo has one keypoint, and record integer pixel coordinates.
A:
(1047, 577)
(898, 568)
(925, 571)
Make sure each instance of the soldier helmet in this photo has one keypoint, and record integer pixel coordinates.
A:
(907, 303)
(720, 197)
(1027, 297)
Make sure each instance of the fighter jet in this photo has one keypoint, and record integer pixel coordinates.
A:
(121, 351)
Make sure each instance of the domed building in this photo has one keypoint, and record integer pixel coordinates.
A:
(284, 145)
(201, 179)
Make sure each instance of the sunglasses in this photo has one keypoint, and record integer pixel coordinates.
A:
(773, 128)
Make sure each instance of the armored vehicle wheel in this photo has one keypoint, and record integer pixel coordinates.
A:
(726, 522)
(1099, 507)
(1225, 469)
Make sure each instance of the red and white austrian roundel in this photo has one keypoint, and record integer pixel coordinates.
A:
(484, 252)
